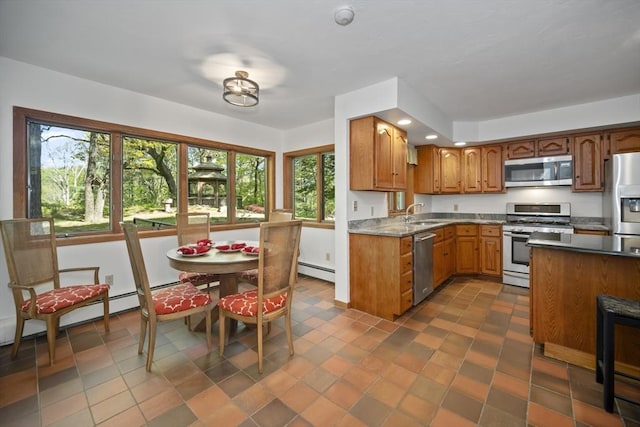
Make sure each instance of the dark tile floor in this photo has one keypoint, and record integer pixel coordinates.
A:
(463, 357)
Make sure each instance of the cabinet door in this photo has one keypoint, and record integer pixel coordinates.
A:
(426, 178)
(625, 141)
(400, 159)
(384, 156)
(553, 147)
(439, 265)
(521, 150)
(491, 256)
(472, 170)
(449, 257)
(466, 254)
(587, 163)
(492, 169)
(450, 170)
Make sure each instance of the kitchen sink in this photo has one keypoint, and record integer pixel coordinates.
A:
(428, 223)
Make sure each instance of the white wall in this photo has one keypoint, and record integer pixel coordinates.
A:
(37, 88)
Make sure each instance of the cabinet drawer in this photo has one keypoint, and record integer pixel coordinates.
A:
(449, 232)
(406, 245)
(406, 282)
(467, 230)
(490, 230)
(439, 232)
(406, 300)
(406, 263)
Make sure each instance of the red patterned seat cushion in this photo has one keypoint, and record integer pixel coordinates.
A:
(57, 299)
(246, 303)
(179, 298)
(250, 276)
(197, 278)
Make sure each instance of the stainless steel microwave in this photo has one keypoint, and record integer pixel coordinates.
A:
(538, 171)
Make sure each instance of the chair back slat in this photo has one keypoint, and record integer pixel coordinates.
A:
(191, 227)
(279, 244)
(138, 267)
(30, 250)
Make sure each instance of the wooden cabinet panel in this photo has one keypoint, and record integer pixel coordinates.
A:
(492, 168)
(553, 147)
(426, 178)
(439, 266)
(491, 250)
(467, 249)
(520, 150)
(472, 170)
(443, 254)
(449, 257)
(383, 160)
(377, 156)
(587, 163)
(450, 170)
(381, 274)
(625, 141)
(593, 232)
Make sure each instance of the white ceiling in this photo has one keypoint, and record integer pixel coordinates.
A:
(474, 60)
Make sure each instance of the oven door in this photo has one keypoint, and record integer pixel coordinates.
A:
(516, 251)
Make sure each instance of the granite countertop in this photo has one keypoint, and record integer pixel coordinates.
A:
(402, 229)
(608, 245)
(590, 226)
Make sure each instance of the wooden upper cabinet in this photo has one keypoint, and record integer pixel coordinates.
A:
(552, 147)
(377, 156)
(472, 170)
(492, 169)
(520, 149)
(450, 164)
(588, 163)
(625, 141)
(426, 178)
(400, 148)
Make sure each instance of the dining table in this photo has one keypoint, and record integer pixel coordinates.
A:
(225, 263)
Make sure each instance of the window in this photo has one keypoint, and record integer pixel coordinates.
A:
(90, 175)
(309, 184)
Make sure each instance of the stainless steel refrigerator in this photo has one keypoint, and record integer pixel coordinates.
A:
(621, 200)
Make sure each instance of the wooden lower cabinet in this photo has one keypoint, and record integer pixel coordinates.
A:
(381, 274)
(444, 255)
(563, 289)
(491, 250)
(467, 261)
(593, 232)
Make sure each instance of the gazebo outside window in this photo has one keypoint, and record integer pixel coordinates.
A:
(208, 184)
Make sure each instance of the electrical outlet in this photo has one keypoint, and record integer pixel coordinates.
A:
(109, 279)
(455, 207)
(355, 206)
(371, 210)
(327, 256)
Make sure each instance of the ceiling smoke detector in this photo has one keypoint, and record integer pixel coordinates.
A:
(344, 15)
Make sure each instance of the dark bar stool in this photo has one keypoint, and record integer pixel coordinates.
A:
(611, 311)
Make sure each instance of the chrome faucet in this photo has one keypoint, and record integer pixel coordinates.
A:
(407, 218)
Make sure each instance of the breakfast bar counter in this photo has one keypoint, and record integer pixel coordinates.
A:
(566, 275)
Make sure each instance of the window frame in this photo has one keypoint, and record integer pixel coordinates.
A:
(288, 184)
(21, 116)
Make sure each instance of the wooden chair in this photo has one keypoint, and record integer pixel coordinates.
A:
(279, 244)
(276, 215)
(32, 260)
(175, 302)
(191, 227)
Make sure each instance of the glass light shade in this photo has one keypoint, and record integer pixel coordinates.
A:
(240, 91)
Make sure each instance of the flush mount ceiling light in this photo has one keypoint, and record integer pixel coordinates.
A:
(404, 122)
(240, 91)
(344, 15)
(431, 136)
(459, 143)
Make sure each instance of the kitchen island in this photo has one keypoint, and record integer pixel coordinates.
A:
(565, 277)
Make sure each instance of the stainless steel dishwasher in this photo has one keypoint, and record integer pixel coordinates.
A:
(422, 266)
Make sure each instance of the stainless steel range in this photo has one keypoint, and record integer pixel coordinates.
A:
(553, 219)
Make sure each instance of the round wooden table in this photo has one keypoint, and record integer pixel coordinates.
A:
(225, 264)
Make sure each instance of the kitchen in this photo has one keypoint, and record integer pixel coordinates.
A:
(552, 222)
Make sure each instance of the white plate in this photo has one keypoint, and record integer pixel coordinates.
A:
(228, 251)
(192, 255)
